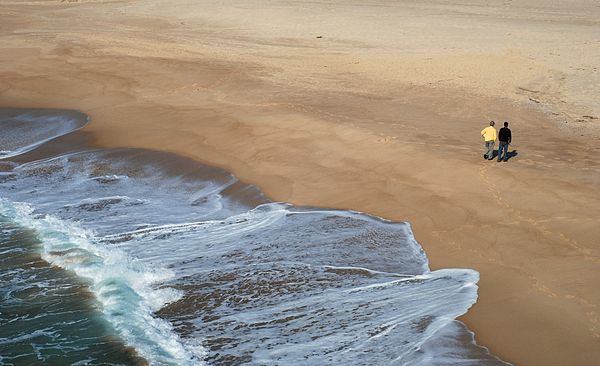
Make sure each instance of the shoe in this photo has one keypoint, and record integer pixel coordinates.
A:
(485, 156)
(505, 160)
(499, 160)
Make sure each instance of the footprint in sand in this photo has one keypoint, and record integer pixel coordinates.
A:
(386, 139)
(527, 161)
(586, 253)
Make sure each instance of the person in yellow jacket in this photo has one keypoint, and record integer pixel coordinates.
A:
(489, 136)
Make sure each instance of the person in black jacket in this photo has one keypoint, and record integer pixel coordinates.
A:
(505, 138)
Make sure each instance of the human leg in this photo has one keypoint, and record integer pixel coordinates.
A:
(490, 149)
(502, 151)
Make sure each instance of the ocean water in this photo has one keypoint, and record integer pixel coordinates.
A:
(129, 256)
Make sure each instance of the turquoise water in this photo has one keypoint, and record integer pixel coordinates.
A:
(48, 315)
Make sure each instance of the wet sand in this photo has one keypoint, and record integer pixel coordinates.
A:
(381, 114)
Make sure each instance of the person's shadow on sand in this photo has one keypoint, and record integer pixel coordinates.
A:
(508, 156)
(511, 154)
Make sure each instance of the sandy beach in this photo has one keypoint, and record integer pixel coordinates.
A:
(371, 106)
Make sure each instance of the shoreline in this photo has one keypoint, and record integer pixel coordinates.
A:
(402, 151)
(77, 145)
(477, 319)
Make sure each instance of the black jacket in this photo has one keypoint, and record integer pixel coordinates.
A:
(504, 135)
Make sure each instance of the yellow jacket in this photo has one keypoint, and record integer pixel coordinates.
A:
(489, 133)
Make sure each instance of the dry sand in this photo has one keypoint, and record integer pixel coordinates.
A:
(380, 114)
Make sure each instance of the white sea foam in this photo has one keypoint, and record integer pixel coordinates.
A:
(123, 286)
